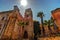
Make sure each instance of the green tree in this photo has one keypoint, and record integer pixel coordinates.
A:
(48, 23)
(37, 30)
(40, 14)
(45, 22)
(21, 23)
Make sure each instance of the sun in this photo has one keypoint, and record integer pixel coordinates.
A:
(23, 3)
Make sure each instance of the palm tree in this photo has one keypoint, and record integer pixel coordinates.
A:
(48, 23)
(51, 24)
(40, 14)
(45, 22)
(45, 25)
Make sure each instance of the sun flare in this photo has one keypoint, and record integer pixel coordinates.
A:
(23, 2)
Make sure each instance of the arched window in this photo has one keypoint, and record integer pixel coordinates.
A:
(4, 18)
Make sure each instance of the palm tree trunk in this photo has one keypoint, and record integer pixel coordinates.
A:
(49, 26)
(42, 26)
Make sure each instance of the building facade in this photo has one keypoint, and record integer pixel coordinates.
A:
(56, 17)
(14, 26)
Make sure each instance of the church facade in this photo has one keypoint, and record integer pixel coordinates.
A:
(14, 26)
(56, 18)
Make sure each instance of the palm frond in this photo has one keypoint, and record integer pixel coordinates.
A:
(40, 14)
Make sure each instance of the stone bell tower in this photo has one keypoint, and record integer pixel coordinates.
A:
(29, 21)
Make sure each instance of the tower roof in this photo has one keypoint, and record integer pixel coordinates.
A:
(56, 10)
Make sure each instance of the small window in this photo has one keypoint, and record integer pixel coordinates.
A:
(3, 18)
(27, 23)
(23, 26)
(0, 26)
(27, 15)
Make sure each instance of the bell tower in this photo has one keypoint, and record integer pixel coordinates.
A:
(29, 22)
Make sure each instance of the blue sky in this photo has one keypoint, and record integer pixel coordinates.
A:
(36, 5)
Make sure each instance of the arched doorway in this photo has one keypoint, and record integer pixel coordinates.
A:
(25, 36)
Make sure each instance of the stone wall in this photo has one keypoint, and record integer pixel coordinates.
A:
(49, 38)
